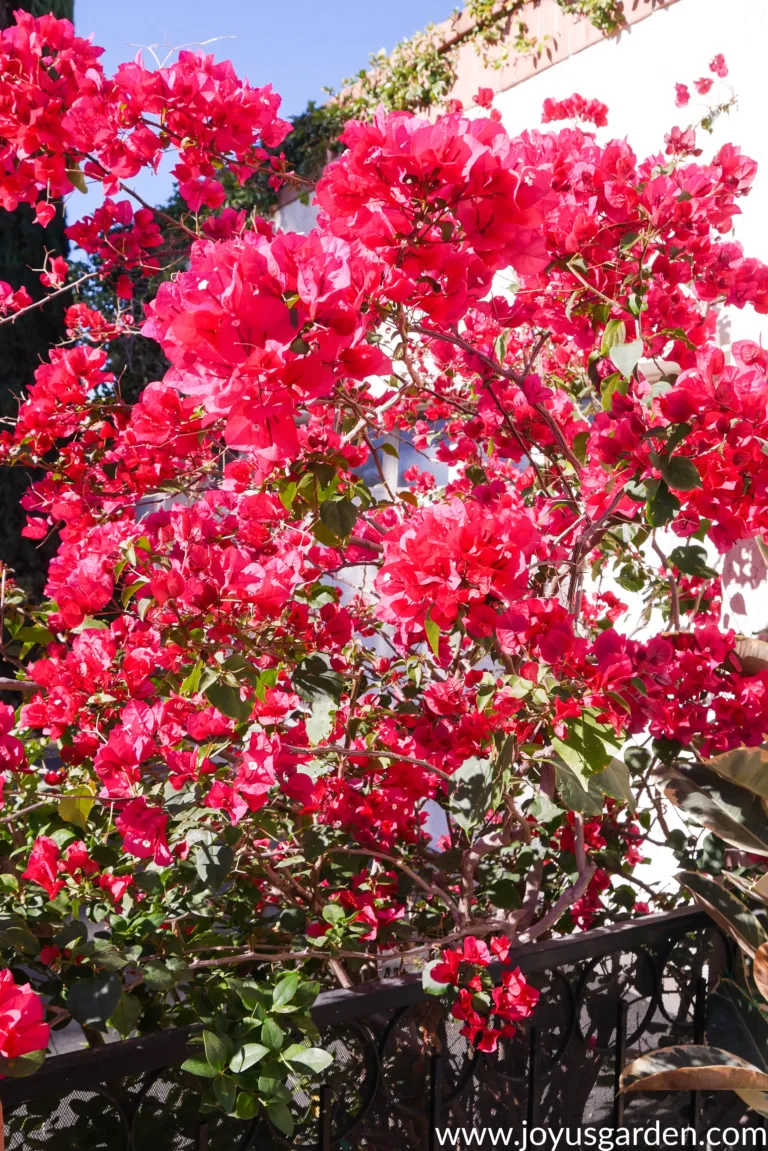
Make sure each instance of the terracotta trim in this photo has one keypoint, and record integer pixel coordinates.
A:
(560, 34)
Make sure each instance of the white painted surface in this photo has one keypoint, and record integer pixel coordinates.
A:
(635, 75)
(296, 217)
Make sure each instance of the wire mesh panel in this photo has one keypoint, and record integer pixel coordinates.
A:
(402, 1067)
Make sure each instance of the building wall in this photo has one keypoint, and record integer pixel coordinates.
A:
(634, 74)
(557, 34)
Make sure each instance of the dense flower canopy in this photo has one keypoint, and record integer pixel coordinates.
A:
(290, 705)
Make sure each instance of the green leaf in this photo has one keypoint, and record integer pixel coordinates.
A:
(680, 473)
(314, 1058)
(543, 809)
(339, 516)
(627, 356)
(281, 1118)
(585, 748)
(247, 1106)
(322, 718)
(217, 1050)
(661, 507)
(93, 1001)
(471, 793)
(615, 333)
(15, 933)
(133, 589)
(285, 989)
(726, 909)
(323, 535)
(213, 863)
(108, 956)
(267, 678)
(90, 623)
(161, 975)
(579, 446)
(631, 577)
(729, 811)
(614, 780)
(227, 700)
(288, 494)
(76, 810)
(736, 1023)
(745, 766)
(692, 560)
(272, 1034)
(76, 178)
(22, 1065)
(314, 679)
(191, 684)
(433, 634)
(226, 1093)
(126, 1015)
(589, 800)
(199, 1067)
(610, 386)
(36, 634)
(248, 1055)
(269, 1086)
(573, 757)
(692, 1068)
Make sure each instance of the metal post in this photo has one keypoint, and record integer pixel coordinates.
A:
(620, 1063)
(699, 1036)
(324, 1141)
(532, 1060)
(435, 1097)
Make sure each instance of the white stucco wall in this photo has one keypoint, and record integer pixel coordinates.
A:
(635, 74)
(297, 217)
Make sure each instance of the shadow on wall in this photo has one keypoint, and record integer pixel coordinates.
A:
(745, 604)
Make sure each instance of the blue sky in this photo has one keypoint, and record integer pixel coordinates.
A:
(298, 45)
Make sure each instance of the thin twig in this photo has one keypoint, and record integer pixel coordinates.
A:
(429, 888)
(337, 749)
(566, 900)
(371, 545)
(25, 686)
(50, 296)
(674, 594)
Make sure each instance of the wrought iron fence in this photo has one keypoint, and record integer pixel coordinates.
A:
(402, 1070)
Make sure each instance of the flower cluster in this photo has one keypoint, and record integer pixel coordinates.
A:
(62, 118)
(290, 699)
(488, 1012)
(575, 107)
(22, 1026)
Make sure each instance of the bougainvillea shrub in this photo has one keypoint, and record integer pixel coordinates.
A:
(293, 708)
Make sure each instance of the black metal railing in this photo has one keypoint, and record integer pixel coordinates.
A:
(402, 1071)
